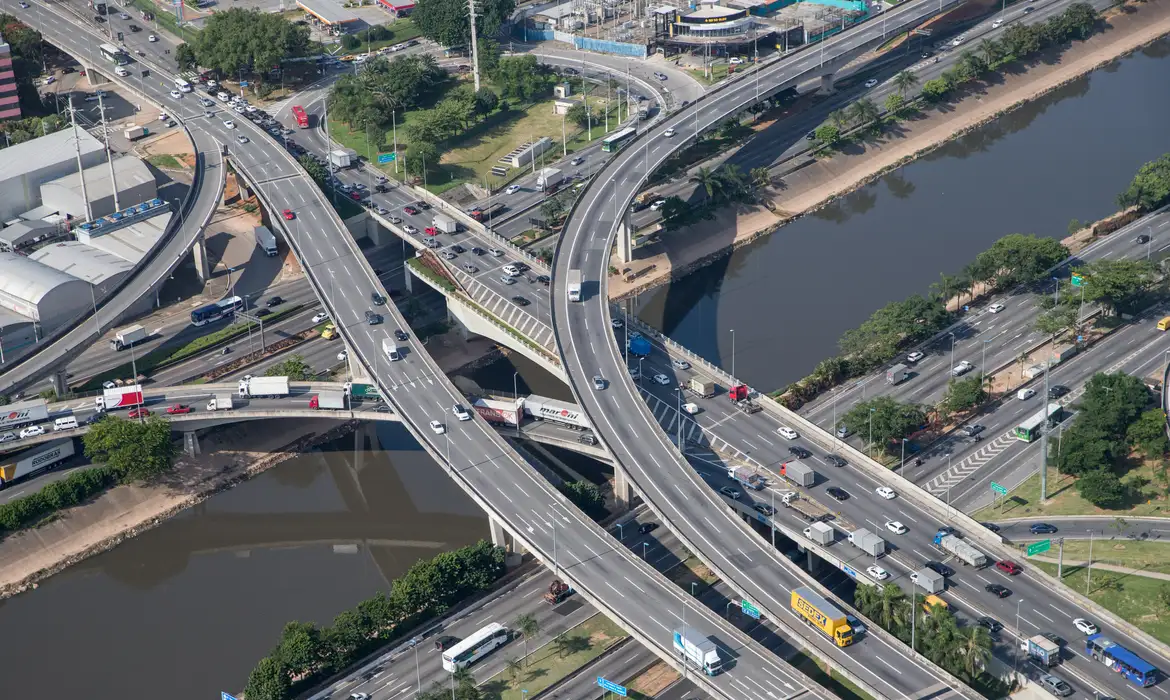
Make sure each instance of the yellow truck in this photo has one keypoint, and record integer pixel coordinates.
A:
(823, 615)
(330, 332)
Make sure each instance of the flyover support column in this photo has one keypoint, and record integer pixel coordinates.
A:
(202, 266)
(191, 443)
(60, 383)
(501, 538)
(623, 493)
(625, 239)
(826, 85)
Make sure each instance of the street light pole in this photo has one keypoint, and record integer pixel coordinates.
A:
(952, 351)
(1017, 646)
(903, 464)
(733, 352)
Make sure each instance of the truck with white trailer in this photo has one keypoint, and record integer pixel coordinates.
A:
(573, 285)
(929, 580)
(342, 157)
(962, 551)
(128, 337)
(390, 348)
(1042, 649)
(263, 387)
(265, 241)
(332, 399)
(444, 223)
(549, 179)
(35, 460)
(220, 402)
(701, 386)
(500, 412)
(867, 542)
(798, 473)
(697, 650)
(18, 415)
(897, 374)
(568, 414)
(821, 533)
(747, 477)
(119, 397)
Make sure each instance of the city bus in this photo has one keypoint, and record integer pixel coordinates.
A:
(214, 312)
(475, 647)
(183, 85)
(615, 142)
(1117, 658)
(302, 118)
(113, 54)
(1029, 430)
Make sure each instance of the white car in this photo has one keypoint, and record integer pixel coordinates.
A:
(121, 71)
(241, 138)
(598, 382)
(680, 364)
(32, 431)
(668, 133)
(997, 23)
(878, 573)
(895, 527)
(320, 316)
(123, 15)
(1085, 626)
(108, 385)
(239, 109)
(228, 123)
(996, 308)
(250, 109)
(512, 189)
(176, 95)
(152, 38)
(359, 696)
(915, 356)
(409, 229)
(661, 379)
(962, 368)
(959, 40)
(885, 492)
(635, 373)
(617, 323)
(871, 82)
(735, 61)
(1025, 394)
(495, 252)
(342, 356)
(222, 96)
(438, 428)
(7, 437)
(460, 412)
(208, 113)
(787, 433)
(658, 205)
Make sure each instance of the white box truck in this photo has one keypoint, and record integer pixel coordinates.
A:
(445, 223)
(329, 399)
(119, 397)
(821, 533)
(342, 157)
(574, 285)
(265, 241)
(127, 337)
(867, 542)
(133, 131)
(270, 387)
(391, 349)
(897, 374)
(220, 402)
(549, 179)
(697, 650)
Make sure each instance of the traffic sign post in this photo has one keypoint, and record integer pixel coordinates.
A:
(387, 157)
(225, 696)
(746, 607)
(1039, 547)
(611, 687)
(1002, 492)
(1077, 280)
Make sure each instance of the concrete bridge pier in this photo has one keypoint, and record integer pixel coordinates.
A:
(191, 443)
(501, 538)
(625, 239)
(826, 87)
(623, 492)
(60, 383)
(202, 264)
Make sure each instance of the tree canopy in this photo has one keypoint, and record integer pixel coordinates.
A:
(523, 78)
(891, 420)
(382, 86)
(248, 40)
(136, 450)
(892, 327)
(293, 367)
(1117, 284)
(1018, 259)
(1150, 188)
(447, 23)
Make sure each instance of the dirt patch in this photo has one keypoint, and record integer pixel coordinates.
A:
(655, 679)
(174, 144)
(230, 456)
(818, 184)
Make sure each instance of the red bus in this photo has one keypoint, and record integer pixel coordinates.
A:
(302, 118)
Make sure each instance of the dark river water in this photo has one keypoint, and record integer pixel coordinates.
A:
(790, 296)
(184, 611)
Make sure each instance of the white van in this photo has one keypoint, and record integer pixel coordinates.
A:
(511, 271)
(121, 71)
(66, 423)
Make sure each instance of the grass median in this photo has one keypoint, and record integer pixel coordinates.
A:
(1064, 499)
(1138, 600)
(554, 661)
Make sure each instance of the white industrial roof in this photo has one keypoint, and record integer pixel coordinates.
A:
(712, 11)
(46, 150)
(25, 280)
(565, 9)
(131, 242)
(24, 231)
(328, 11)
(129, 171)
(83, 261)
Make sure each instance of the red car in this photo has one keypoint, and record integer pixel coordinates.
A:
(289, 215)
(178, 408)
(410, 210)
(138, 413)
(355, 196)
(432, 231)
(1009, 567)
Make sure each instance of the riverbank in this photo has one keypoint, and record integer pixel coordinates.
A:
(231, 455)
(820, 183)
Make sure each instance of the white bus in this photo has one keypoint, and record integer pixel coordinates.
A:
(113, 54)
(475, 647)
(183, 85)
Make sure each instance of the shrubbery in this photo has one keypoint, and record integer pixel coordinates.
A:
(77, 488)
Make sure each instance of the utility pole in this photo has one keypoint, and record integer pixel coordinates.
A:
(474, 45)
(109, 158)
(80, 167)
(1044, 435)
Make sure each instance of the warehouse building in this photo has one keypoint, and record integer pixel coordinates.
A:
(26, 166)
(22, 234)
(135, 185)
(40, 293)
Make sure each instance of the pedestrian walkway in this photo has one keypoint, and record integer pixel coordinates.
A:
(1107, 567)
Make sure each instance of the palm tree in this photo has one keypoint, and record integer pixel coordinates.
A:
(462, 675)
(973, 650)
(732, 179)
(709, 180)
(863, 111)
(514, 668)
(838, 118)
(905, 80)
(528, 626)
(761, 177)
(890, 607)
(991, 49)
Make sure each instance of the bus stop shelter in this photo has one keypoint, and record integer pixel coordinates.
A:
(328, 13)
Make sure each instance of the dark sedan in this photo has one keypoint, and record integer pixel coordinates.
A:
(837, 493)
(998, 590)
(799, 452)
(940, 568)
(520, 301)
(1042, 529)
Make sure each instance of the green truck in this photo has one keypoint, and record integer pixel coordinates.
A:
(358, 392)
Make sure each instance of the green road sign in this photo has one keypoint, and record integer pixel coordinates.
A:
(1078, 280)
(998, 489)
(1039, 547)
(748, 609)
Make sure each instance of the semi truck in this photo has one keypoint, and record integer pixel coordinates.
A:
(557, 591)
(1042, 649)
(963, 551)
(697, 650)
(639, 346)
(798, 473)
(500, 412)
(643, 110)
(747, 477)
(867, 542)
(265, 241)
(36, 460)
(119, 397)
(220, 402)
(127, 337)
(549, 179)
(822, 615)
(821, 533)
(486, 213)
(542, 408)
(357, 392)
(703, 388)
(573, 285)
(342, 157)
(331, 399)
(18, 415)
(444, 224)
(740, 397)
(897, 374)
(268, 387)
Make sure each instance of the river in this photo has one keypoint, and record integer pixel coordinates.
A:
(184, 611)
(790, 296)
